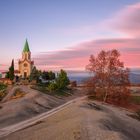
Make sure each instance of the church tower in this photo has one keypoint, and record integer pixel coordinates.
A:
(25, 64)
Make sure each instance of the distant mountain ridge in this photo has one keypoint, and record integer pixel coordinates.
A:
(134, 78)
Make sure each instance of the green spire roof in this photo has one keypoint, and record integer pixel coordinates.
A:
(26, 47)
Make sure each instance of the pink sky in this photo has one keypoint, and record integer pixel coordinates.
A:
(77, 58)
(126, 22)
(124, 29)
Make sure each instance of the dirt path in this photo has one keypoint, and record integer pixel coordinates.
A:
(79, 121)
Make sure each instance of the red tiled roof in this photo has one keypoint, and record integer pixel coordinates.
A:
(16, 71)
(4, 72)
(4, 79)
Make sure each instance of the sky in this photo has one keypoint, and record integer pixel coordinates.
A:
(64, 33)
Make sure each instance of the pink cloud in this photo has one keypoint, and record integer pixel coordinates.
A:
(77, 57)
(127, 20)
(79, 30)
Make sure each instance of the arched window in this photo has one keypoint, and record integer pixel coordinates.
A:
(25, 65)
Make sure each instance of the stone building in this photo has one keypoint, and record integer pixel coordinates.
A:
(25, 64)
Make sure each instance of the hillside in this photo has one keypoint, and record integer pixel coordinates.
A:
(33, 103)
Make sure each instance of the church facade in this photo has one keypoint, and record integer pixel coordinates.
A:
(25, 63)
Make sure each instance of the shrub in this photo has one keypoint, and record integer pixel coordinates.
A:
(52, 86)
(2, 91)
(62, 80)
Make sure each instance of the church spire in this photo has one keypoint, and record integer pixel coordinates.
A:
(26, 47)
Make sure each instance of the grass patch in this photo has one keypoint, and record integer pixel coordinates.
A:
(2, 94)
(18, 94)
(66, 92)
(92, 97)
(2, 87)
(135, 99)
(2, 91)
(136, 115)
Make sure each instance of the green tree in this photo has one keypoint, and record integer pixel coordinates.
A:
(7, 75)
(35, 74)
(48, 75)
(51, 75)
(45, 75)
(62, 80)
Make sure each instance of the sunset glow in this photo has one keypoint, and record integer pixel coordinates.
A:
(57, 41)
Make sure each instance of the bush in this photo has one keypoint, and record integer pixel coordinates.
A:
(2, 86)
(2, 91)
(135, 99)
(62, 80)
(52, 86)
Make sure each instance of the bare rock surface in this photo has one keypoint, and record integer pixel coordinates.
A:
(33, 103)
(82, 121)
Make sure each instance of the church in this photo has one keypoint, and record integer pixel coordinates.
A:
(25, 63)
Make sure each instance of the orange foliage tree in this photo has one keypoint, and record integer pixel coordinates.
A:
(110, 77)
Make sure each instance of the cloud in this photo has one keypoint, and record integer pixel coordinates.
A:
(78, 30)
(127, 20)
(77, 56)
(1, 65)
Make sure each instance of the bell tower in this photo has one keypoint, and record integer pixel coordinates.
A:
(26, 54)
(25, 64)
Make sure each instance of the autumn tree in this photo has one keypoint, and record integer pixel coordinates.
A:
(110, 77)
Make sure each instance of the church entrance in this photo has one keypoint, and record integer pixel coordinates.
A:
(25, 74)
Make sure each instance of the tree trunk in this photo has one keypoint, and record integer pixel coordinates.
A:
(105, 97)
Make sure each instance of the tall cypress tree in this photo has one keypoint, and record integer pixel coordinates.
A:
(11, 70)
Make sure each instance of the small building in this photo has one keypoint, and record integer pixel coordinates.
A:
(3, 74)
(16, 73)
(25, 64)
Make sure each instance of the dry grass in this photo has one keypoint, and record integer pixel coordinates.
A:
(18, 94)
